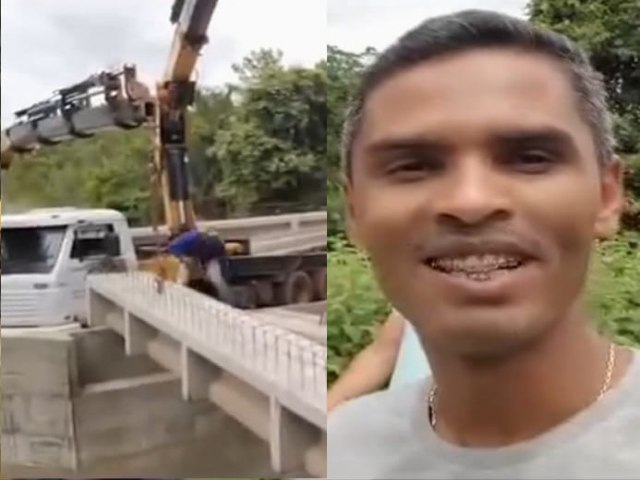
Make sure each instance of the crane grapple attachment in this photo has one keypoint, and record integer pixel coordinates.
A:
(73, 112)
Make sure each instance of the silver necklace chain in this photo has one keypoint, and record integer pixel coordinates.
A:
(606, 384)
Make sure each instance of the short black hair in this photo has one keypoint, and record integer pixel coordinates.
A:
(473, 29)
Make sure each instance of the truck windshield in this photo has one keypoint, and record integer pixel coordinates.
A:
(33, 250)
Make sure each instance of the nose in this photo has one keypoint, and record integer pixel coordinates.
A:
(473, 196)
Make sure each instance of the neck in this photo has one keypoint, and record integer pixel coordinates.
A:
(505, 401)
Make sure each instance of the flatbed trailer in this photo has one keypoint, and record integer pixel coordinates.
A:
(280, 279)
(254, 281)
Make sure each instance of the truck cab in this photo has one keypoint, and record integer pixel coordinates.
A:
(46, 257)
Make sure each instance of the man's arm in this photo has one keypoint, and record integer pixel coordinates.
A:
(371, 369)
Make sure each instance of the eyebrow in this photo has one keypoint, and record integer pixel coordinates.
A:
(548, 136)
(408, 143)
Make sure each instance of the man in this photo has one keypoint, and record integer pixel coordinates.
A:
(197, 252)
(201, 246)
(394, 357)
(480, 174)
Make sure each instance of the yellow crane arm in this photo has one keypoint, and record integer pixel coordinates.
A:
(192, 18)
(175, 93)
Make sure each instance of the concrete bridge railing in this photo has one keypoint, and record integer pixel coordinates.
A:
(271, 380)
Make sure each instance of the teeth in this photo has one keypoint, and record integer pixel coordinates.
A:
(476, 264)
(481, 276)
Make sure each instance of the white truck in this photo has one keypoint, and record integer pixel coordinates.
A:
(46, 257)
(48, 253)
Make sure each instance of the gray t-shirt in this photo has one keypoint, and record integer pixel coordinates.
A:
(386, 436)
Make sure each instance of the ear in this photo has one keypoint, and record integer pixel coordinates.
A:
(611, 199)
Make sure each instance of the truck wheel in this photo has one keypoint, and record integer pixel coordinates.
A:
(244, 297)
(264, 293)
(319, 278)
(296, 288)
(203, 286)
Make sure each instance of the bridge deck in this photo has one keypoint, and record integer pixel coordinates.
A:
(276, 361)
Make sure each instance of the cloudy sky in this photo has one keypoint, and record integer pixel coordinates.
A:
(48, 44)
(355, 24)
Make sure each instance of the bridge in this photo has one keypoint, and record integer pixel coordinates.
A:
(271, 380)
(265, 369)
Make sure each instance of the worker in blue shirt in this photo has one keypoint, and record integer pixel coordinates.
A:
(202, 246)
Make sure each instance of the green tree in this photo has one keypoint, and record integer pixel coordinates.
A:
(106, 171)
(343, 74)
(210, 114)
(273, 147)
(116, 175)
(262, 140)
(609, 30)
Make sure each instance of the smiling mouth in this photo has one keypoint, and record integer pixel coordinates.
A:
(479, 267)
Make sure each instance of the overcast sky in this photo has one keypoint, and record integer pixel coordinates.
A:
(49, 44)
(356, 24)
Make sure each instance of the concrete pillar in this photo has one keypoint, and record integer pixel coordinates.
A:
(98, 307)
(115, 320)
(137, 334)
(197, 374)
(290, 438)
(166, 352)
(243, 402)
(315, 460)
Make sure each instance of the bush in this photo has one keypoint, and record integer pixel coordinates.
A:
(335, 211)
(357, 305)
(614, 288)
(631, 214)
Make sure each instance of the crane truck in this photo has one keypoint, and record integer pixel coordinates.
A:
(47, 253)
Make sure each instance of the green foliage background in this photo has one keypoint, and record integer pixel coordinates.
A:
(257, 146)
(610, 32)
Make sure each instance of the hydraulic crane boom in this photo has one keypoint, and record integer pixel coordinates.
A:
(175, 93)
(192, 18)
(72, 113)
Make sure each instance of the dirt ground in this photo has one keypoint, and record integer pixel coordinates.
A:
(244, 456)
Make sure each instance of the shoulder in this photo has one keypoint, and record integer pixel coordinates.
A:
(361, 431)
(376, 415)
(633, 376)
(403, 324)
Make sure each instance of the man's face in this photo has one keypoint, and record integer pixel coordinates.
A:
(477, 194)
